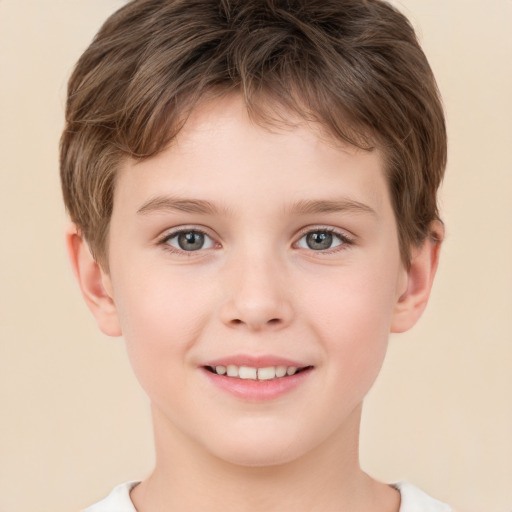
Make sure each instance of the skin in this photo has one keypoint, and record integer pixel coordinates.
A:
(256, 288)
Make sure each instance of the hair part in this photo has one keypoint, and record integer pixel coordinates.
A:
(354, 66)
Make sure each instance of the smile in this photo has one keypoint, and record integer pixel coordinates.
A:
(252, 373)
(257, 378)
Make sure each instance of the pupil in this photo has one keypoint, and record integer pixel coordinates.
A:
(319, 240)
(191, 241)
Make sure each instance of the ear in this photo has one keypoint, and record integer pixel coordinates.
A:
(94, 283)
(419, 280)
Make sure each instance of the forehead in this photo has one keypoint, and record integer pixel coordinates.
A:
(222, 153)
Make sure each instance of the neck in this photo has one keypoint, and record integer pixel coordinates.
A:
(327, 478)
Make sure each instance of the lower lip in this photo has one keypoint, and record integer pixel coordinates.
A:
(257, 390)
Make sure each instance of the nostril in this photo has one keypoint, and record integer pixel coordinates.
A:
(272, 321)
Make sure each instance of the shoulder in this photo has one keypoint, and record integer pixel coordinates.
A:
(415, 500)
(412, 500)
(117, 501)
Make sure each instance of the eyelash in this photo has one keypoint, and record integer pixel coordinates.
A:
(345, 240)
(174, 234)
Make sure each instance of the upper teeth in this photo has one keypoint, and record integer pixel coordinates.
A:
(248, 372)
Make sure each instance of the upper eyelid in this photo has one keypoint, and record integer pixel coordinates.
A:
(343, 233)
(172, 232)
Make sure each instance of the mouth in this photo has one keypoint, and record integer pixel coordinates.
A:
(267, 373)
(257, 378)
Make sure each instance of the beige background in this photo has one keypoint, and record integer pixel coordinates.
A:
(72, 420)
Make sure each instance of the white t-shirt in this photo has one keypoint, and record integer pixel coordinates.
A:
(413, 500)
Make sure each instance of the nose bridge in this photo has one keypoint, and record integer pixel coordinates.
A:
(256, 293)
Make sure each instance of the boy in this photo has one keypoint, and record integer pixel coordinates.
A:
(252, 186)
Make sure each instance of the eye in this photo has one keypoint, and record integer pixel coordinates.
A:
(189, 240)
(322, 240)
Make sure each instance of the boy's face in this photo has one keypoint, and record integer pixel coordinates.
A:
(248, 247)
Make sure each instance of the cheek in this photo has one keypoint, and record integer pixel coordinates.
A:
(160, 320)
(351, 301)
(351, 315)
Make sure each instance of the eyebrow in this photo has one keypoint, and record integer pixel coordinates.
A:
(308, 207)
(162, 204)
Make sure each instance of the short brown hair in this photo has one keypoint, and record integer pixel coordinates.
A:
(355, 66)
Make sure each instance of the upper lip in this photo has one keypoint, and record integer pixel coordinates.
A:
(262, 361)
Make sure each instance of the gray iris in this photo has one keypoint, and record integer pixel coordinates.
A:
(191, 240)
(319, 240)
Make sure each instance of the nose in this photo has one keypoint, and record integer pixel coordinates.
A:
(257, 294)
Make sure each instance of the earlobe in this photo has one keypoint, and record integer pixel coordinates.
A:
(94, 283)
(420, 277)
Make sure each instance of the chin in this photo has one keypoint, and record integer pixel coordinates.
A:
(259, 449)
(257, 457)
